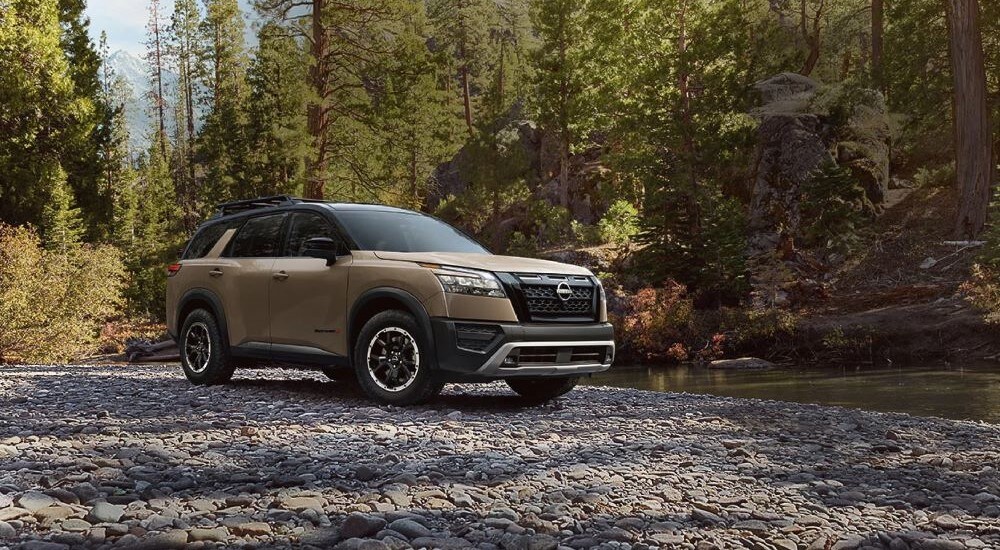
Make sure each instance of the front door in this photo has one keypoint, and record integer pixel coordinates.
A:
(308, 308)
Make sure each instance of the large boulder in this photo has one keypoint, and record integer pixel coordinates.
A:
(805, 125)
(792, 143)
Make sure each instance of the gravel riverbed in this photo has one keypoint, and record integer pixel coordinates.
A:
(135, 457)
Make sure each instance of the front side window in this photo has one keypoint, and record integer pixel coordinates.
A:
(391, 231)
(258, 238)
(305, 226)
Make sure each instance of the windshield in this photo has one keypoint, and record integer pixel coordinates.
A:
(404, 232)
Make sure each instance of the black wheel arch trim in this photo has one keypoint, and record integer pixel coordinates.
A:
(412, 304)
(217, 310)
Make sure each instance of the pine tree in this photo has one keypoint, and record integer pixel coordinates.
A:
(222, 143)
(416, 121)
(559, 64)
(81, 159)
(118, 177)
(62, 227)
(276, 129)
(463, 32)
(185, 52)
(156, 57)
(42, 117)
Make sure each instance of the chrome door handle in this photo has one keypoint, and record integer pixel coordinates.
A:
(215, 273)
(281, 275)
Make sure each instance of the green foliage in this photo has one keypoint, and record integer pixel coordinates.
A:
(982, 290)
(937, 177)
(42, 118)
(276, 122)
(621, 223)
(156, 236)
(53, 302)
(61, 223)
(832, 209)
(710, 258)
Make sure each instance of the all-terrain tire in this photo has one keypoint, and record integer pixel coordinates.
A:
(387, 380)
(540, 390)
(203, 351)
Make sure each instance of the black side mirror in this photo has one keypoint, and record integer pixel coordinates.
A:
(324, 248)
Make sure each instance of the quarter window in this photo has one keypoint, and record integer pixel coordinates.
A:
(206, 238)
(258, 238)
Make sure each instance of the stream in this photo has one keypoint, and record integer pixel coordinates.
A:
(961, 392)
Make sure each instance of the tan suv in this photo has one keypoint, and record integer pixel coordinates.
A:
(399, 300)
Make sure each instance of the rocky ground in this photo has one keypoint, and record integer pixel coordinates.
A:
(113, 457)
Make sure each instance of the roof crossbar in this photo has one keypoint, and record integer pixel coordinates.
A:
(233, 207)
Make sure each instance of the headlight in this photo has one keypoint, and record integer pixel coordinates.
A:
(470, 281)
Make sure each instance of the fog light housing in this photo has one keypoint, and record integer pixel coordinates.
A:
(510, 361)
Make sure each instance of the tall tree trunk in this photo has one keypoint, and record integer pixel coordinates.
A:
(974, 167)
(564, 131)
(463, 71)
(466, 96)
(684, 87)
(316, 174)
(878, 31)
(811, 37)
(154, 6)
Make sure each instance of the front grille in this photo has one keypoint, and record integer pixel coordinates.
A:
(541, 301)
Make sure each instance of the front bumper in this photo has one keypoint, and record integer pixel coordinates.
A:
(469, 351)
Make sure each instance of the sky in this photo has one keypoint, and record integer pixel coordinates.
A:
(125, 22)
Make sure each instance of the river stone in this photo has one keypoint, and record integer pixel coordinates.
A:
(104, 512)
(44, 545)
(302, 503)
(939, 544)
(34, 501)
(13, 512)
(411, 529)
(48, 516)
(743, 363)
(361, 525)
(252, 529)
(216, 534)
(706, 516)
(76, 525)
(175, 539)
(7, 531)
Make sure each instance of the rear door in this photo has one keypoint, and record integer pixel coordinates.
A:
(307, 297)
(244, 278)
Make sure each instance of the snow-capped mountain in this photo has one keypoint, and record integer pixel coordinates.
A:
(136, 73)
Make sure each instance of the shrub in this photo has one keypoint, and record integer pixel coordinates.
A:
(54, 302)
(982, 290)
(833, 203)
(620, 224)
(941, 176)
(656, 321)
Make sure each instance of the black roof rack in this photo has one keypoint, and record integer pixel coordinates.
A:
(234, 207)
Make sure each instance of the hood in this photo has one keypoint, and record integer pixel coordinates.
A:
(487, 262)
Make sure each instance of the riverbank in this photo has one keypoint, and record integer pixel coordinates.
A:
(293, 461)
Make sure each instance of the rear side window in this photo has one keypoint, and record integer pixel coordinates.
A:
(258, 238)
(204, 240)
(305, 226)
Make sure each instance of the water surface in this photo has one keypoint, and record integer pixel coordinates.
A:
(967, 392)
